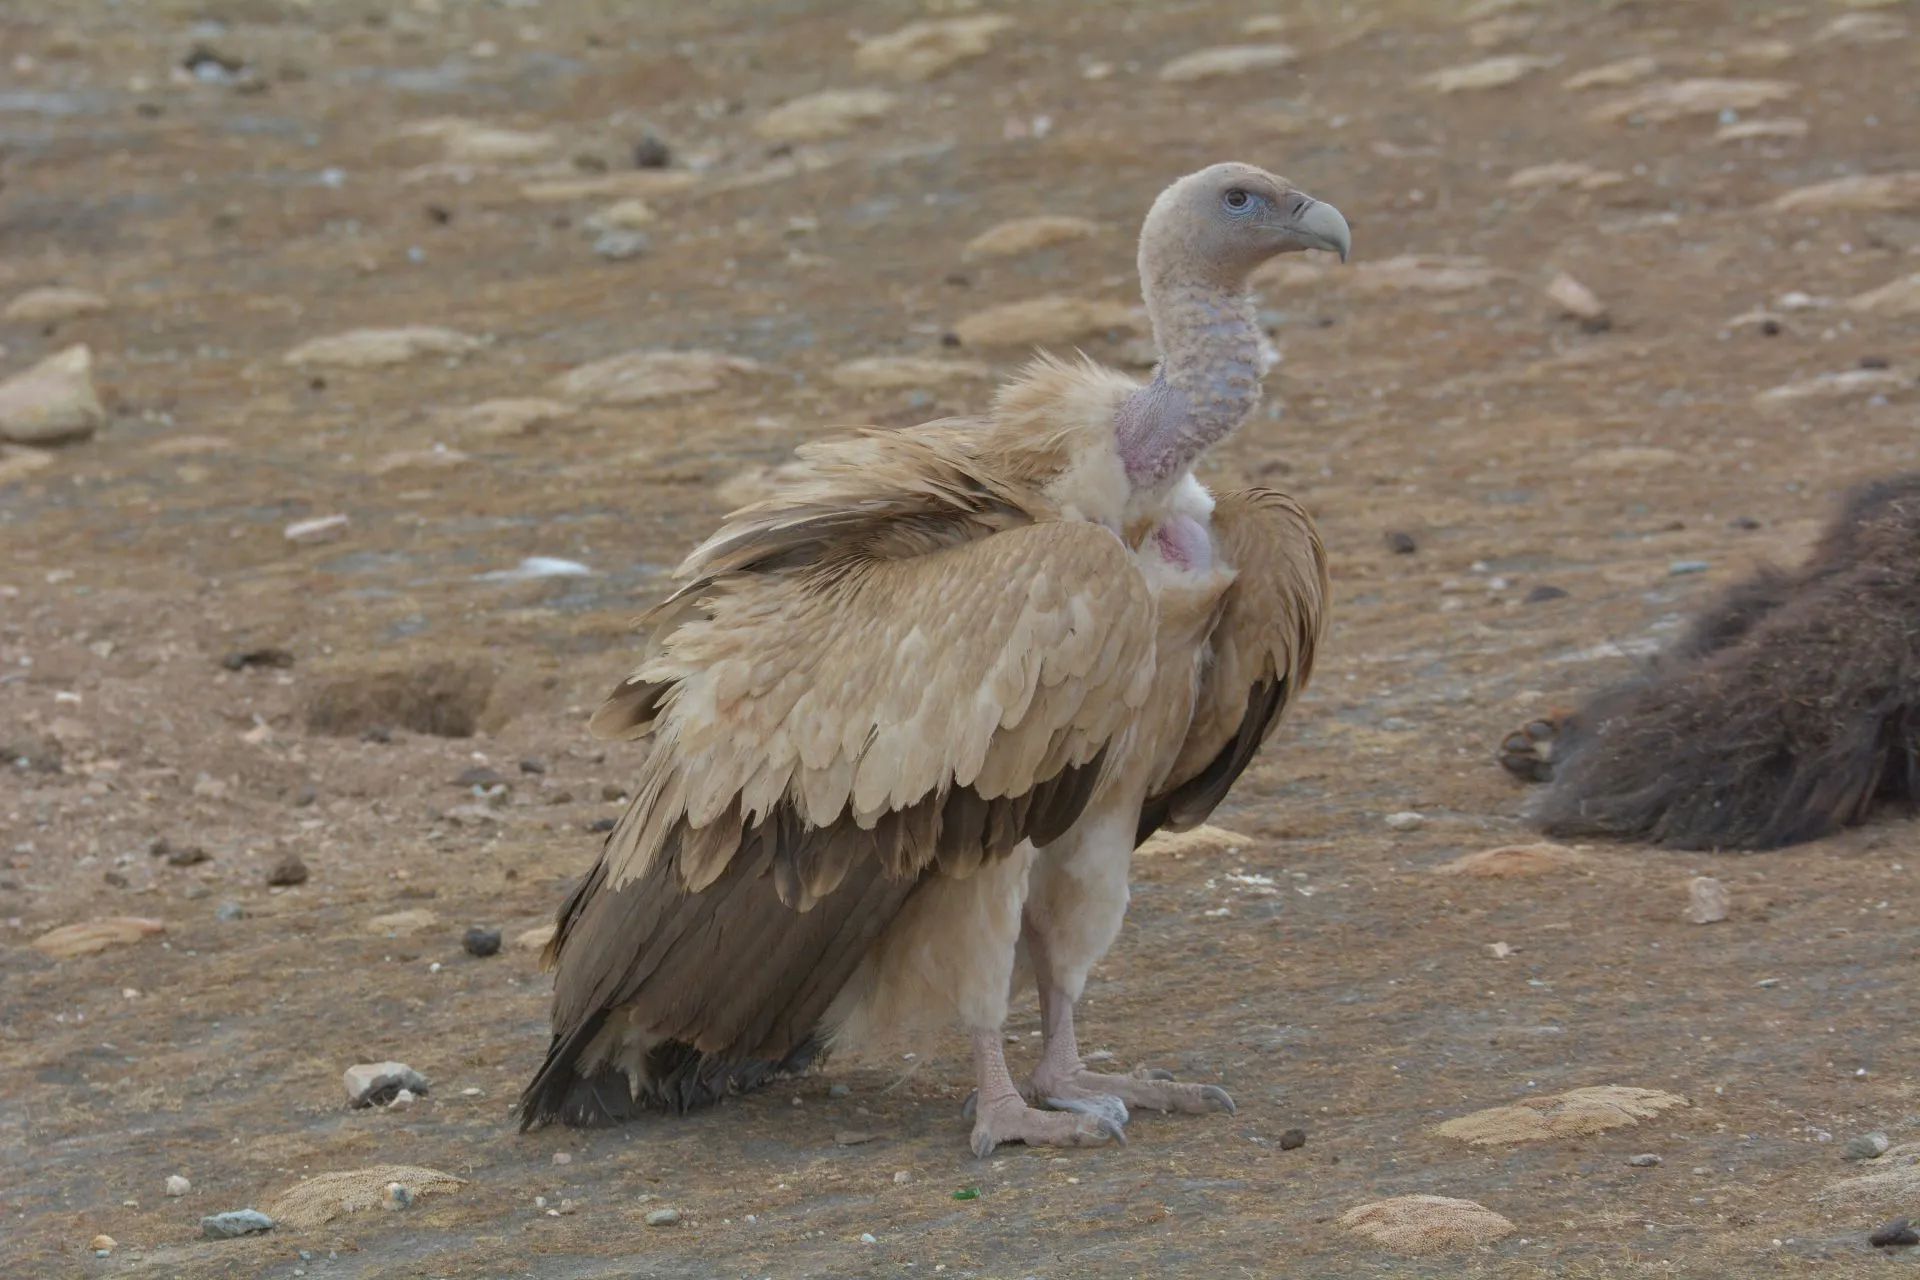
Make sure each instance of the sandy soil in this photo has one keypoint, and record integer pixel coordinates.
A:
(351, 172)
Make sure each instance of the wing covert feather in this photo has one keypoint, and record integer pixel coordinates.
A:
(990, 665)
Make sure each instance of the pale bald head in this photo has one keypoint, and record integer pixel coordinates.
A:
(1217, 225)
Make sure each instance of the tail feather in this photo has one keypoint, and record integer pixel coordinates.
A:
(669, 1076)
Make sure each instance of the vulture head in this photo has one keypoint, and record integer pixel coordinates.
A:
(1217, 225)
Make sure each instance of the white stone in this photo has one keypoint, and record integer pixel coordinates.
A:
(371, 348)
(1707, 900)
(53, 304)
(318, 529)
(1231, 60)
(923, 49)
(1406, 820)
(826, 114)
(637, 377)
(365, 1080)
(177, 1185)
(53, 402)
(1488, 73)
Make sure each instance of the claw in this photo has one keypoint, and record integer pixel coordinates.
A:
(1214, 1093)
(1101, 1106)
(971, 1107)
(983, 1143)
(1153, 1073)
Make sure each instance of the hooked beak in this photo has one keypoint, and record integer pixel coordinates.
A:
(1316, 224)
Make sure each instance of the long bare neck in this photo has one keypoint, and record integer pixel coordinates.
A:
(1207, 383)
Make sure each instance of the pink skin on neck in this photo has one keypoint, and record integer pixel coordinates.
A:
(1207, 383)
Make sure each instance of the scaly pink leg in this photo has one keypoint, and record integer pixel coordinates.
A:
(1002, 1115)
(1062, 1079)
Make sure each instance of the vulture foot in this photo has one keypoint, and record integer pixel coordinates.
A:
(1012, 1120)
(1153, 1090)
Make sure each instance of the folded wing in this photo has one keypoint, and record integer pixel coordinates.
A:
(817, 740)
(1272, 618)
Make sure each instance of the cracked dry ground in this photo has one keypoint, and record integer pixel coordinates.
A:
(453, 164)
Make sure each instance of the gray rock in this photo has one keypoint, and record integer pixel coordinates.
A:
(838, 1091)
(229, 911)
(1868, 1146)
(663, 1218)
(1646, 1161)
(371, 1084)
(1406, 820)
(1681, 567)
(481, 942)
(240, 1222)
(618, 246)
(1896, 1234)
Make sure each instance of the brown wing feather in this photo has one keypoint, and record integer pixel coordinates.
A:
(1271, 620)
(819, 739)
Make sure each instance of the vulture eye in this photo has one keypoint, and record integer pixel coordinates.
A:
(1237, 200)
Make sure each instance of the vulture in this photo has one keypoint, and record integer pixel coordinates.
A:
(1786, 711)
(901, 728)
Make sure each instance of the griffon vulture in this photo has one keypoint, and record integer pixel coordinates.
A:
(911, 714)
(1786, 711)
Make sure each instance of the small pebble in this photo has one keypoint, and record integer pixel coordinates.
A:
(1545, 592)
(1707, 900)
(1406, 820)
(238, 1222)
(663, 1218)
(1293, 1139)
(618, 246)
(866, 1237)
(1647, 1160)
(1401, 544)
(481, 942)
(319, 529)
(533, 764)
(1894, 1234)
(102, 1245)
(182, 856)
(1868, 1146)
(853, 1137)
(599, 825)
(901, 1177)
(651, 153)
(398, 1196)
(371, 1084)
(478, 776)
(838, 1091)
(229, 911)
(1681, 567)
(288, 871)
(561, 1157)
(177, 1185)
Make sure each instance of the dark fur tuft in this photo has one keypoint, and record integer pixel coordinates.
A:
(1784, 714)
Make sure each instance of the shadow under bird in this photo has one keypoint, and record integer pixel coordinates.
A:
(902, 728)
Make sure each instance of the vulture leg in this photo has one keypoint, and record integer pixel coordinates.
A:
(1002, 1115)
(1075, 903)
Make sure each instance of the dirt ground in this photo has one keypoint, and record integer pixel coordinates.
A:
(337, 164)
